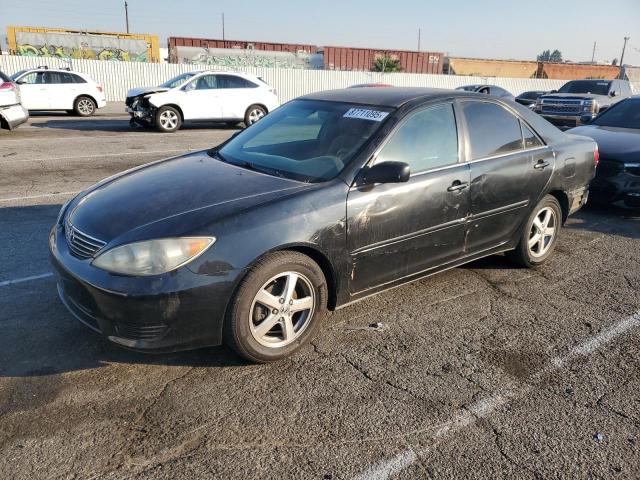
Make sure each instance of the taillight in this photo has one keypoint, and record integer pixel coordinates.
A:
(7, 86)
(596, 155)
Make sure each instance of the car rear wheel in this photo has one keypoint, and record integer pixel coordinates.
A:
(253, 114)
(84, 106)
(168, 119)
(539, 235)
(278, 307)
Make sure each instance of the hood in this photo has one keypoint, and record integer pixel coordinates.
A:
(134, 92)
(571, 96)
(614, 143)
(171, 188)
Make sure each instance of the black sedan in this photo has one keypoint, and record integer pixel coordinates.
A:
(528, 99)
(330, 198)
(617, 132)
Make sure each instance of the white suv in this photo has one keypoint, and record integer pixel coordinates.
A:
(48, 89)
(12, 113)
(230, 97)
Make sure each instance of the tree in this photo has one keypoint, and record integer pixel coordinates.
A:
(614, 62)
(549, 56)
(387, 63)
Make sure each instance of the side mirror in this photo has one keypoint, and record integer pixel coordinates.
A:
(190, 86)
(553, 91)
(387, 172)
(613, 93)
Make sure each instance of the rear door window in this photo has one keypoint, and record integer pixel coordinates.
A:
(531, 140)
(232, 81)
(492, 129)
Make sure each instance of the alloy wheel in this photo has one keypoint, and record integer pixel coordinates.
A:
(282, 309)
(85, 106)
(168, 120)
(543, 232)
(255, 115)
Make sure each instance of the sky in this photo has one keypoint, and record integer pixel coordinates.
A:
(503, 29)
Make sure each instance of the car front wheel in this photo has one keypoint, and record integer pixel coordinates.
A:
(539, 235)
(277, 308)
(168, 119)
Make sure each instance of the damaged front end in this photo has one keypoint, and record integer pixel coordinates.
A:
(141, 110)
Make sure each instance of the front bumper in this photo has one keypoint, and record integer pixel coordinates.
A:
(613, 184)
(563, 120)
(14, 115)
(179, 310)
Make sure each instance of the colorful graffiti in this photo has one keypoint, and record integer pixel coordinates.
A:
(58, 51)
(81, 46)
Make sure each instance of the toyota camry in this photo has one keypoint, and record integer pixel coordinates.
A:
(331, 198)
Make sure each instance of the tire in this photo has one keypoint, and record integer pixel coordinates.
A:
(168, 120)
(253, 114)
(261, 297)
(539, 236)
(84, 106)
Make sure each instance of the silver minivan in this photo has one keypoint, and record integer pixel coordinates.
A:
(12, 113)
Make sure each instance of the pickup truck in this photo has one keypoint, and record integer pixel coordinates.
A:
(579, 101)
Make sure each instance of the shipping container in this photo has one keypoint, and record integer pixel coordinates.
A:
(576, 71)
(82, 44)
(363, 59)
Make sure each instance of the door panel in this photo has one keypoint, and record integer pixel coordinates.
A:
(33, 91)
(203, 101)
(395, 230)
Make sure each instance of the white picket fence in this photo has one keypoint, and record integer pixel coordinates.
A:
(118, 77)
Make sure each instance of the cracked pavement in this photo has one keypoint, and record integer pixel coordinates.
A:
(456, 385)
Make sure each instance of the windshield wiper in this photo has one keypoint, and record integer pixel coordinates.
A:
(244, 164)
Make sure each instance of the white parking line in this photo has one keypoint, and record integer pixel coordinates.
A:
(487, 405)
(29, 197)
(25, 279)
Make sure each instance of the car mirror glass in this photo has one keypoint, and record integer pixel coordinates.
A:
(387, 172)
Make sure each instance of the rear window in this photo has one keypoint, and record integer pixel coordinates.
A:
(4, 78)
(625, 114)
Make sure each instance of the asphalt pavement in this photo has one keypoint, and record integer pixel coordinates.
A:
(484, 371)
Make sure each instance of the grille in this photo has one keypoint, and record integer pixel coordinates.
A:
(141, 332)
(80, 244)
(561, 106)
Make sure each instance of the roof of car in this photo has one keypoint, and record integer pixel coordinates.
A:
(383, 97)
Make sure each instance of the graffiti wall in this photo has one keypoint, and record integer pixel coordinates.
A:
(80, 46)
(236, 58)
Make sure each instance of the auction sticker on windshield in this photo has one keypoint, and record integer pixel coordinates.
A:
(365, 114)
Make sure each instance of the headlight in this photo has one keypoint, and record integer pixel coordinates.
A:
(589, 105)
(152, 257)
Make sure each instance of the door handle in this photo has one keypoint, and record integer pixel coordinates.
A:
(541, 165)
(457, 186)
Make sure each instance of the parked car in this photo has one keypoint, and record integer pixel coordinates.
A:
(617, 132)
(43, 88)
(528, 99)
(12, 113)
(579, 101)
(333, 197)
(202, 96)
(492, 90)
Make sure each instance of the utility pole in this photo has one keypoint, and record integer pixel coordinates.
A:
(419, 39)
(126, 14)
(626, 39)
(223, 27)
(593, 55)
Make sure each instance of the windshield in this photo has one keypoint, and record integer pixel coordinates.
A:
(597, 87)
(17, 74)
(625, 114)
(177, 81)
(305, 140)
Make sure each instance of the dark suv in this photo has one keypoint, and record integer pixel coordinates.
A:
(579, 101)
